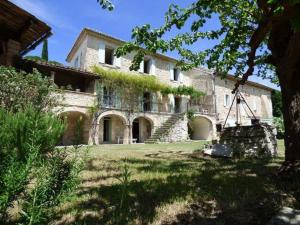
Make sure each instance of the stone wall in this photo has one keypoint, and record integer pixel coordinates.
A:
(258, 99)
(178, 133)
(250, 141)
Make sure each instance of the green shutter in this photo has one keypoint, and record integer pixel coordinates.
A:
(154, 102)
(118, 100)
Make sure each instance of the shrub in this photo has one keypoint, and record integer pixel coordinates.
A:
(20, 89)
(25, 137)
(278, 122)
(33, 173)
(56, 180)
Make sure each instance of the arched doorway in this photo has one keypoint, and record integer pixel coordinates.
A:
(112, 130)
(200, 128)
(141, 129)
(77, 128)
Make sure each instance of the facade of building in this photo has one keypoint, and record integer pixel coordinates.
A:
(156, 117)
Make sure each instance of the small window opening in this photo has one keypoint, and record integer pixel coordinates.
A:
(109, 56)
(227, 100)
(147, 66)
(176, 74)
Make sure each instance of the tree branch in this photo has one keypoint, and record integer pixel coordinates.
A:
(256, 39)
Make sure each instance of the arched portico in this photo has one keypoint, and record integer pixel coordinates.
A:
(141, 129)
(77, 128)
(113, 128)
(201, 128)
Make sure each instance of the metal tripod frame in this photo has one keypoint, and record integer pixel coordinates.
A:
(238, 96)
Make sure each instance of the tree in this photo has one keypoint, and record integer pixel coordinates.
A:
(44, 55)
(254, 36)
(276, 103)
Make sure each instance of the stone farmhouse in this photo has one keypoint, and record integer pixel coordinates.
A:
(159, 118)
(156, 117)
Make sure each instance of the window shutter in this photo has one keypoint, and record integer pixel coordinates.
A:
(154, 102)
(140, 103)
(117, 61)
(180, 79)
(254, 105)
(101, 52)
(118, 100)
(171, 69)
(153, 67)
(172, 103)
(142, 67)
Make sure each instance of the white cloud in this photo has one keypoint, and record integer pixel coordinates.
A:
(46, 13)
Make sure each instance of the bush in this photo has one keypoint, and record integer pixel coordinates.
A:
(278, 122)
(34, 175)
(25, 137)
(20, 89)
(56, 179)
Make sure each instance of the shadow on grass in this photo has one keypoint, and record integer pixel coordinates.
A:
(245, 192)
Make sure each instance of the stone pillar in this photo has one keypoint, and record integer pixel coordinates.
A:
(127, 134)
(130, 134)
(13, 49)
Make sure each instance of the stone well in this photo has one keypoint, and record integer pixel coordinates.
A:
(257, 140)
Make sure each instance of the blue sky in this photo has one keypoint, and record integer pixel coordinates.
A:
(68, 17)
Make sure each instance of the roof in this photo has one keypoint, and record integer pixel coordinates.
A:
(251, 83)
(20, 25)
(85, 31)
(46, 67)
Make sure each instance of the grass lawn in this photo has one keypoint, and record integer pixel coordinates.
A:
(170, 184)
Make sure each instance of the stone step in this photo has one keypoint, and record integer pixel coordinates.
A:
(166, 126)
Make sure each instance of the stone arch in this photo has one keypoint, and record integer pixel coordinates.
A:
(201, 128)
(112, 128)
(77, 127)
(147, 117)
(142, 127)
(116, 113)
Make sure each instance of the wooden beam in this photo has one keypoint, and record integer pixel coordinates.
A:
(19, 33)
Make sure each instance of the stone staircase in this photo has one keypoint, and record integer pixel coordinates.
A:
(164, 129)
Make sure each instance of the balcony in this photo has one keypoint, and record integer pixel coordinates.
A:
(79, 99)
(204, 109)
(111, 102)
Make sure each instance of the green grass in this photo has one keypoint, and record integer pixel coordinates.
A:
(171, 184)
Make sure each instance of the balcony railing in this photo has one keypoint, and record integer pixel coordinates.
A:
(136, 106)
(206, 109)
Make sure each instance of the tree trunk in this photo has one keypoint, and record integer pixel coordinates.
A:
(284, 44)
(291, 116)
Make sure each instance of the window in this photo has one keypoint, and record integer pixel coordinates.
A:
(176, 73)
(227, 100)
(109, 56)
(108, 97)
(147, 66)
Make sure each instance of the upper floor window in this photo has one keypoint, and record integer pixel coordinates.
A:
(176, 73)
(227, 100)
(147, 66)
(109, 55)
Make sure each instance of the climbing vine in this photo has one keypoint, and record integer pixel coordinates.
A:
(139, 84)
